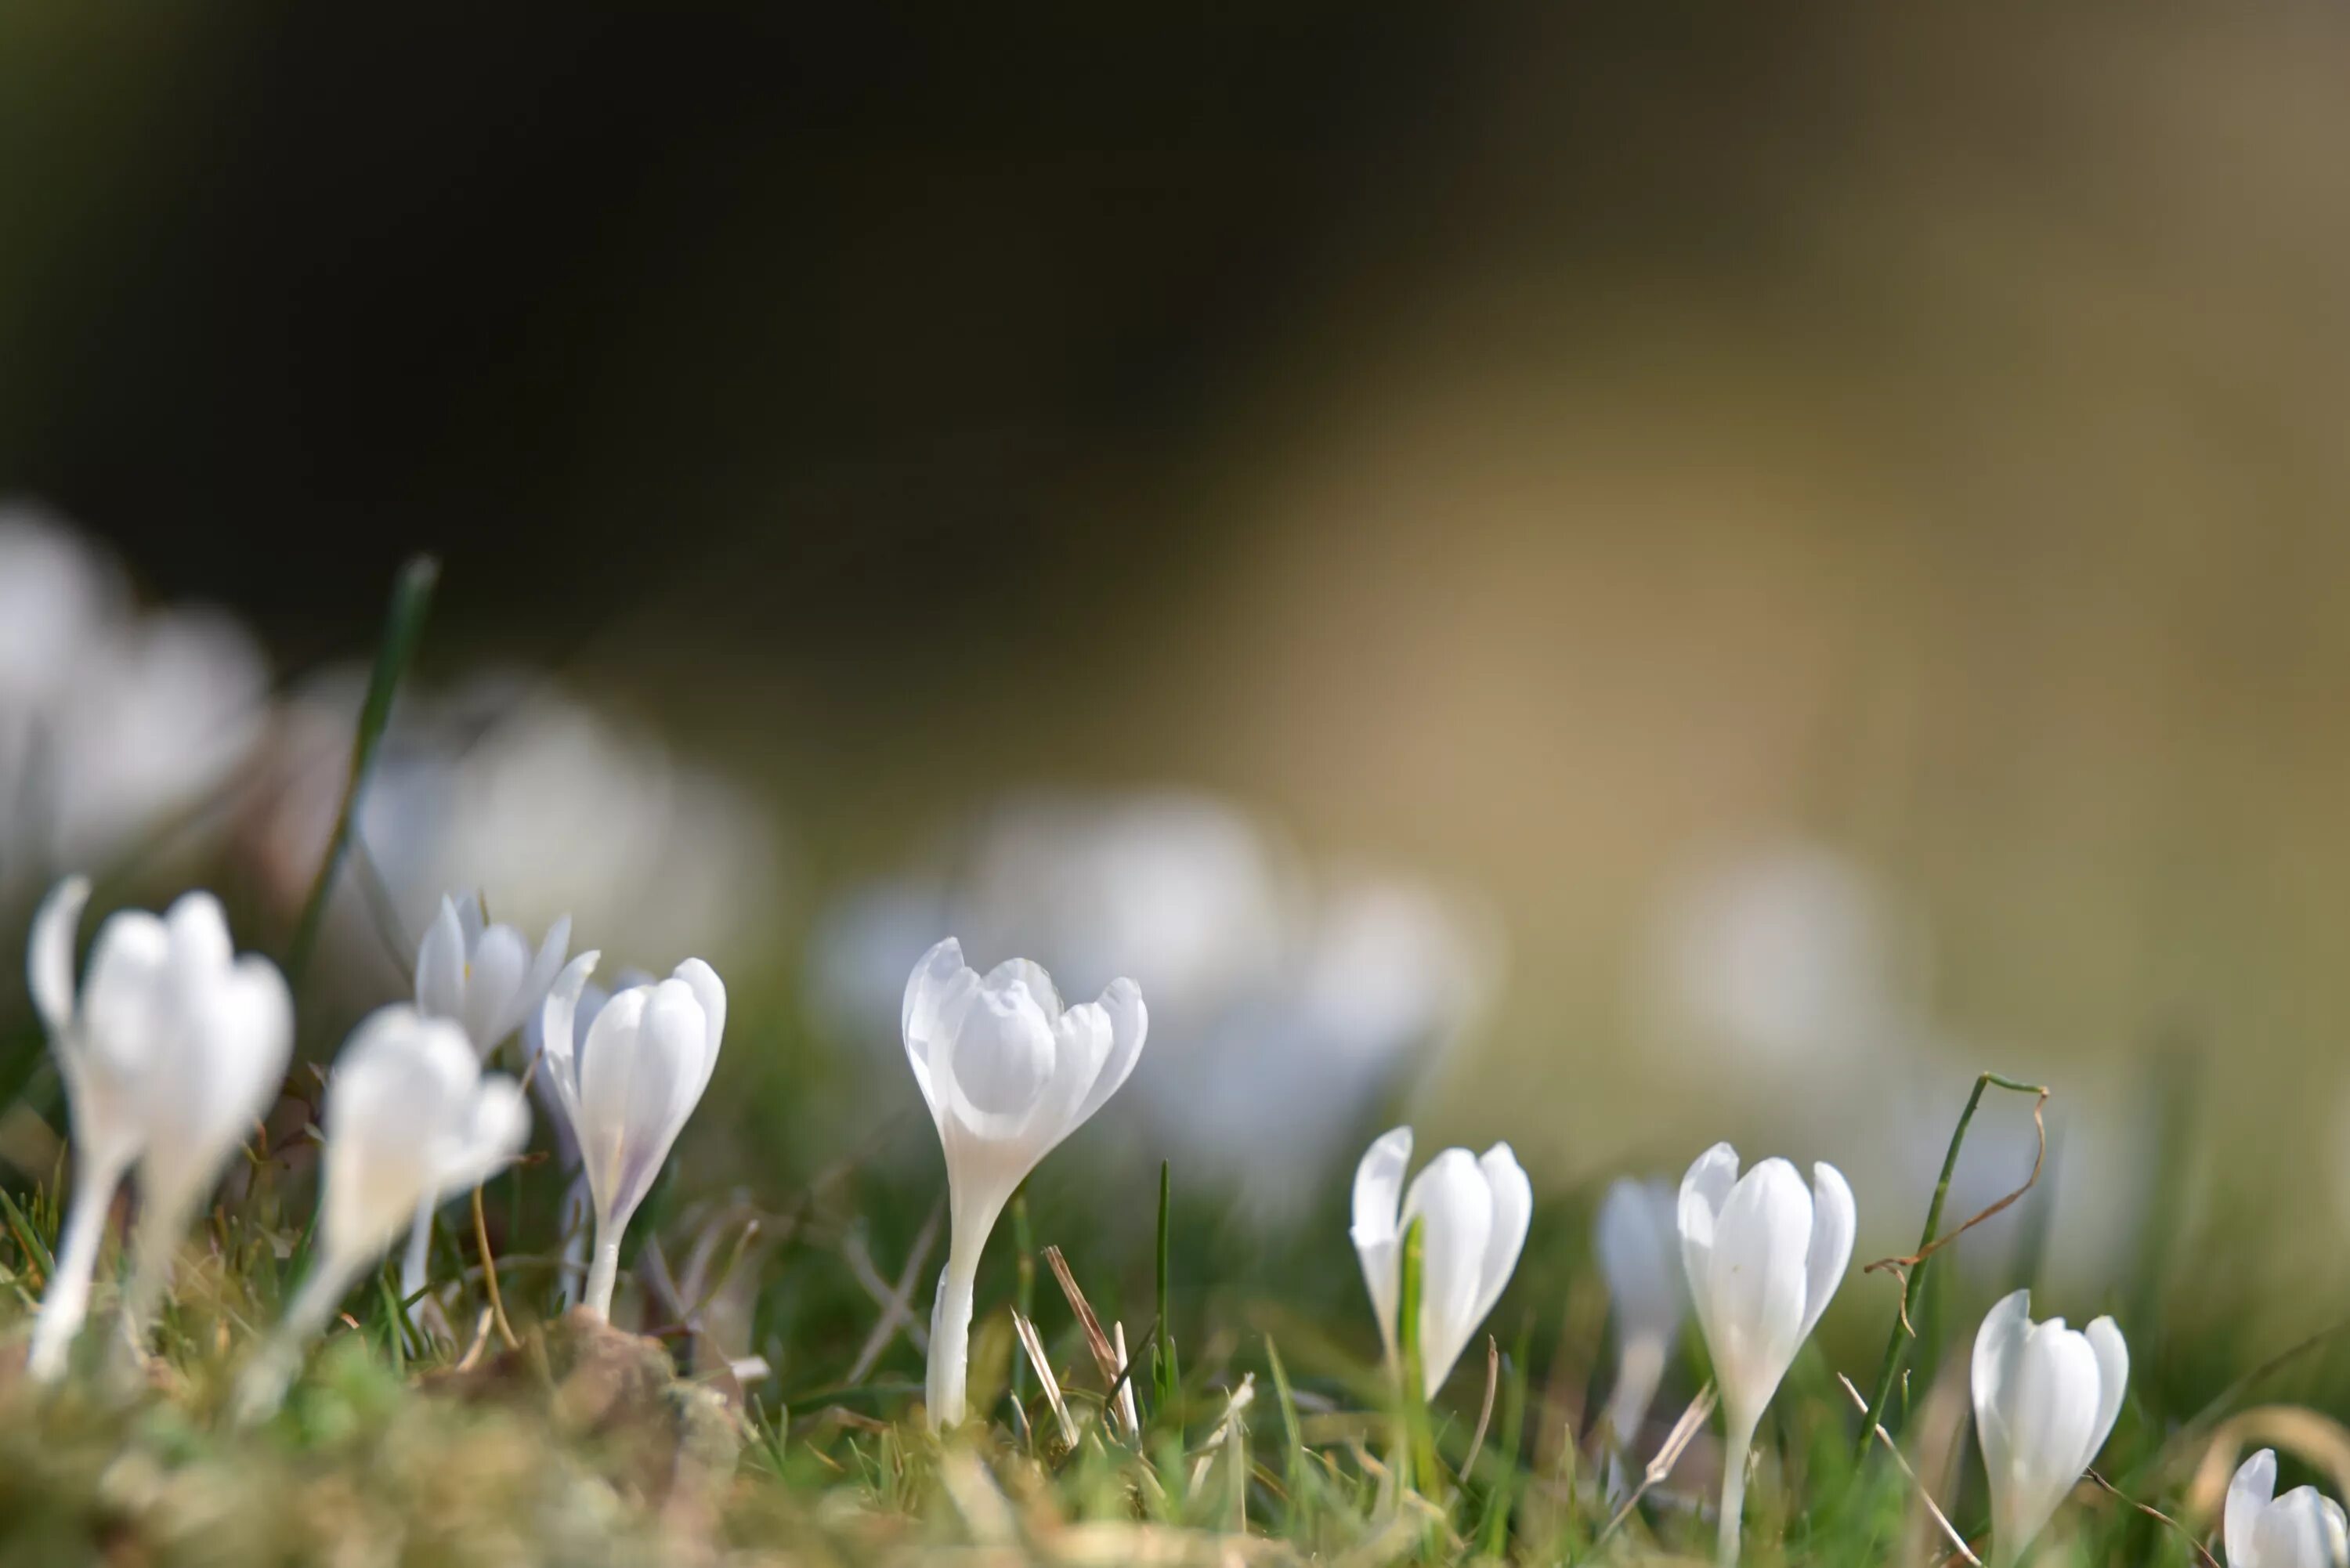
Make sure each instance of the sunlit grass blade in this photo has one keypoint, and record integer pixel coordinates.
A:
(1165, 1380)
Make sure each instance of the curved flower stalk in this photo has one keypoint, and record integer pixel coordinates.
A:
(1474, 1210)
(486, 979)
(2302, 1529)
(1637, 1243)
(1007, 1074)
(628, 1089)
(1764, 1255)
(172, 1048)
(2045, 1397)
(409, 1118)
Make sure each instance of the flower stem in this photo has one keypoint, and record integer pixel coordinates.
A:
(604, 1272)
(263, 1387)
(65, 1303)
(1738, 1443)
(416, 1263)
(949, 1368)
(1640, 1367)
(152, 1243)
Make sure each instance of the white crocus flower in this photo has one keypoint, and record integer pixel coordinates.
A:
(172, 1048)
(2045, 1397)
(1638, 1244)
(1764, 1256)
(629, 1087)
(482, 976)
(2302, 1529)
(486, 979)
(409, 1118)
(1474, 1212)
(1008, 1073)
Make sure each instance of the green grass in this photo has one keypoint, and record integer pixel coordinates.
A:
(1275, 1437)
(406, 1445)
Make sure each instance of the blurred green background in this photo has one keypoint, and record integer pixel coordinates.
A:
(1574, 453)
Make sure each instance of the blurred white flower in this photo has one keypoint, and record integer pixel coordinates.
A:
(171, 1050)
(2045, 1397)
(1638, 1244)
(110, 721)
(1286, 1007)
(628, 1090)
(485, 979)
(409, 1118)
(58, 594)
(1764, 1256)
(1474, 1212)
(2302, 1529)
(1785, 954)
(548, 804)
(1007, 1074)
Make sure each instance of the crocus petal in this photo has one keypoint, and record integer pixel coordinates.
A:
(1454, 1204)
(230, 1064)
(606, 1059)
(2052, 1405)
(1755, 1282)
(2296, 1531)
(1833, 1223)
(126, 1008)
(1379, 1197)
(1704, 1189)
(711, 992)
(495, 1127)
(1028, 977)
(2248, 1494)
(548, 964)
(939, 988)
(198, 927)
(1129, 1023)
(2113, 1380)
(1514, 1212)
(49, 968)
(997, 1063)
(440, 965)
(1998, 1344)
(558, 1038)
(493, 979)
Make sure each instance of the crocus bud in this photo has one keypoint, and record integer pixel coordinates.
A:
(484, 979)
(173, 1047)
(1764, 1256)
(2302, 1529)
(1474, 1212)
(628, 1089)
(1007, 1074)
(1638, 1244)
(409, 1118)
(2045, 1396)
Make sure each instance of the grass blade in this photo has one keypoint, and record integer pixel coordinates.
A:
(411, 602)
(1888, 1371)
(1165, 1381)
